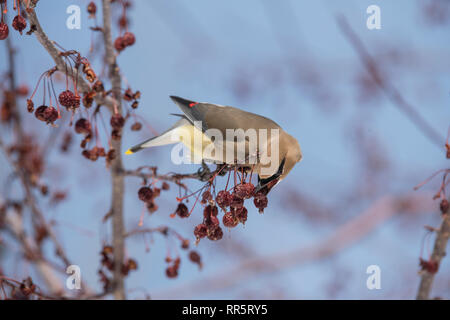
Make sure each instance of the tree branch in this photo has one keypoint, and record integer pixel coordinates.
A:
(438, 254)
(116, 165)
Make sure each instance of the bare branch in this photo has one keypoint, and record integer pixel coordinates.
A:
(440, 245)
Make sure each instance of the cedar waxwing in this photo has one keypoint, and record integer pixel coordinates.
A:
(213, 124)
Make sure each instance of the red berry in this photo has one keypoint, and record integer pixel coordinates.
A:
(117, 121)
(260, 200)
(119, 44)
(195, 258)
(241, 215)
(4, 31)
(68, 99)
(19, 23)
(39, 113)
(229, 221)
(30, 105)
(200, 231)
(236, 201)
(83, 126)
(145, 194)
(172, 271)
(129, 39)
(165, 186)
(182, 211)
(215, 234)
(136, 126)
(50, 114)
(223, 199)
(244, 190)
(92, 9)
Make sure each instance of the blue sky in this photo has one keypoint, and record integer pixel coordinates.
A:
(202, 50)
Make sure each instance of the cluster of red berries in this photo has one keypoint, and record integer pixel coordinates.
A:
(231, 203)
(121, 42)
(126, 39)
(148, 195)
(107, 265)
(19, 23)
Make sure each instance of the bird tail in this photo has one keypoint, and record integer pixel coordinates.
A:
(167, 137)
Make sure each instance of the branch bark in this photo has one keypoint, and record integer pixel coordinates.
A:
(438, 254)
(116, 165)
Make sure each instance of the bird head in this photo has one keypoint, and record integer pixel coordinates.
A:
(290, 154)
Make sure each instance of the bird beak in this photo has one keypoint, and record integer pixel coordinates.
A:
(265, 187)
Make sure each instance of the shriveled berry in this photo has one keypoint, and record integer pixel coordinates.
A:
(212, 222)
(223, 199)
(244, 190)
(182, 211)
(260, 200)
(4, 31)
(241, 214)
(206, 197)
(215, 234)
(152, 206)
(92, 9)
(67, 99)
(83, 126)
(19, 23)
(50, 114)
(165, 186)
(145, 194)
(129, 38)
(172, 271)
(119, 44)
(40, 113)
(229, 221)
(185, 244)
(200, 231)
(236, 202)
(136, 126)
(117, 121)
(123, 21)
(195, 258)
(30, 105)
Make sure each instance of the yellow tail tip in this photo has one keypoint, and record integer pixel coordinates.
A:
(129, 152)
